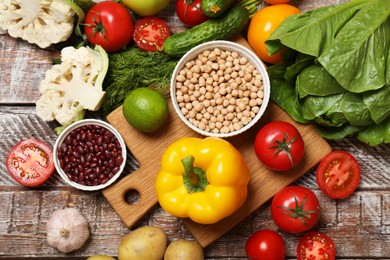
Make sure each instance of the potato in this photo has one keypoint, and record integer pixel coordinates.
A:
(182, 249)
(100, 257)
(146, 242)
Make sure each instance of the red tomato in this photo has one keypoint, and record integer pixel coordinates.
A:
(150, 33)
(276, 2)
(265, 244)
(338, 174)
(279, 145)
(295, 209)
(190, 12)
(110, 25)
(316, 245)
(30, 162)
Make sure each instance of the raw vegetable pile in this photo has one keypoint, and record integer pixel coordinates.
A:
(340, 77)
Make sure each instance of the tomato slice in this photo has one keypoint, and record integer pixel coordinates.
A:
(30, 162)
(150, 33)
(316, 245)
(338, 174)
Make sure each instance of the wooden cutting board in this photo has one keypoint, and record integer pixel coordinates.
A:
(148, 149)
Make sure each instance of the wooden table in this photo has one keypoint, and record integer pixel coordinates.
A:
(359, 224)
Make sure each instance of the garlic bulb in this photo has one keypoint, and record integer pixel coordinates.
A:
(67, 230)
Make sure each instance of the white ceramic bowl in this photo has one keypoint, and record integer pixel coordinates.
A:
(243, 52)
(67, 131)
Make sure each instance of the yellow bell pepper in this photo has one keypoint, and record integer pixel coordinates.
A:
(203, 179)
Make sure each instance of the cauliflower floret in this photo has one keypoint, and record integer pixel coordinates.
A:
(73, 86)
(42, 22)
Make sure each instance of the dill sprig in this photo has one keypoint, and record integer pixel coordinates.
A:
(134, 68)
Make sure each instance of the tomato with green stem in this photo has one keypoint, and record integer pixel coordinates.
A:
(316, 245)
(338, 174)
(110, 25)
(295, 209)
(279, 145)
(190, 12)
(265, 244)
(30, 162)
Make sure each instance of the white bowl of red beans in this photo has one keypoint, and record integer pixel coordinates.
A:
(220, 89)
(90, 154)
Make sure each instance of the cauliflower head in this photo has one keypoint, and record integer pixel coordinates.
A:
(41, 22)
(73, 86)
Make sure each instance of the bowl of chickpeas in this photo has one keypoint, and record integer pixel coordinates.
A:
(220, 89)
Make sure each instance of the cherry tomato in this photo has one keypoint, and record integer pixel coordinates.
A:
(338, 174)
(279, 145)
(265, 244)
(150, 33)
(110, 25)
(190, 12)
(30, 162)
(316, 245)
(276, 2)
(261, 26)
(295, 209)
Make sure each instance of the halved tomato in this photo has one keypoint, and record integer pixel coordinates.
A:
(30, 162)
(150, 33)
(316, 245)
(338, 174)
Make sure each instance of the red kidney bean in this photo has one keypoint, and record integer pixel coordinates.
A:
(118, 161)
(90, 155)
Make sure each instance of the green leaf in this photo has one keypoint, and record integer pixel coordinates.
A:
(376, 134)
(335, 114)
(311, 32)
(316, 106)
(315, 80)
(378, 103)
(301, 62)
(355, 110)
(357, 57)
(283, 92)
(337, 133)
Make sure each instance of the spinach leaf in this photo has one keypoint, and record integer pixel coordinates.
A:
(315, 80)
(283, 92)
(301, 62)
(357, 57)
(316, 106)
(378, 103)
(337, 133)
(335, 114)
(311, 32)
(376, 134)
(355, 110)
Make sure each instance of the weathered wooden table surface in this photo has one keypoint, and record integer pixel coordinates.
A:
(359, 225)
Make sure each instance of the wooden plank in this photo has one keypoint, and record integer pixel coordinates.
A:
(29, 211)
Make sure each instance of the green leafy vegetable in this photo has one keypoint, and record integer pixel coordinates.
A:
(134, 68)
(357, 57)
(340, 77)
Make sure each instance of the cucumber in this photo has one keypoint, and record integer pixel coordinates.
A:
(224, 27)
(214, 8)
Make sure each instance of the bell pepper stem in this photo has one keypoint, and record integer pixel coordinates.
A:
(188, 163)
(194, 178)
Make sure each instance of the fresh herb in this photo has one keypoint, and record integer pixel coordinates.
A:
(134, 68)
(340, 77)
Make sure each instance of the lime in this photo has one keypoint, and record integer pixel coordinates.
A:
(145, 109)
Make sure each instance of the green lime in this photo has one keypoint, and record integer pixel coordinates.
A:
(145, 109)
